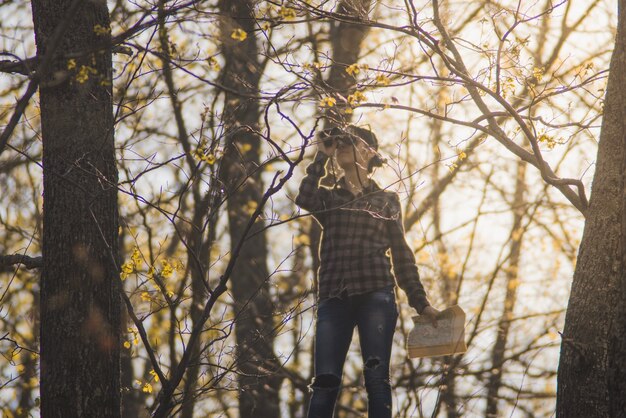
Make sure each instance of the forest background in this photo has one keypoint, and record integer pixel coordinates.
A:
(153, 150)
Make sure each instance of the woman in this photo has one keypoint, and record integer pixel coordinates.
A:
(360, 223)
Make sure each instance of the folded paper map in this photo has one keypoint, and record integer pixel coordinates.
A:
(448, 338)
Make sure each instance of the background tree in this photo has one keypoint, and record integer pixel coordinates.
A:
(591, 367)
(80, 300)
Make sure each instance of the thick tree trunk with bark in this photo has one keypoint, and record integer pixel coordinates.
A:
(592, 368)
(254, 326)
(80, 299)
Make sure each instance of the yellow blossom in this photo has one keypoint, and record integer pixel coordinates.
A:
(508, 86)
(178, 265)
(287, 13)
(127, 345)
(168, 270)
(538, 74)
(251, 207)
(147, 388)
(548, 140)
(239, 35)
(136, 258)
(215, 66)
(83, 74)
(101, 30)
(127, 268)
(356, 98)
(382, 79)
(71, 64)
(145, 296)
(328, 102)
(154, 375)
(353, 70)
(207, 158)
(201, 153)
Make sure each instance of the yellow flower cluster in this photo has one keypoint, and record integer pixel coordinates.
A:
(83, 73)
(213, 64)
(154, 375)
(310, 66)
(548, 140)
(382, 80)
(167, 270)
(355, 69)
(356, 98)
(287, 13)
(201, 153)
(328, 102)
(538, 74)
(101, 30)
(135, 333)
(132, 265)
(239, 35)
(508, 86)
(250, 207)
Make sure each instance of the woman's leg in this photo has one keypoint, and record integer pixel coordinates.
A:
(376, 320)
(333, 333)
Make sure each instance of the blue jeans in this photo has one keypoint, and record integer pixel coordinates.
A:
(375, 315)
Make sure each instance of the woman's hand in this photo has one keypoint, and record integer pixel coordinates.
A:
(321, 147)
(431, 314)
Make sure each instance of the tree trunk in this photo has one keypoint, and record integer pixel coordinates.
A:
(254, 326)
(592, 367)
(80, 299)
(510, 299)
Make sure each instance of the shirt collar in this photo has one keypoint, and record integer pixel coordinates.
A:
(371, 187)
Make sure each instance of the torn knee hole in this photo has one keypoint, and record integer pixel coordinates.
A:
(372, 363)
(325, 381)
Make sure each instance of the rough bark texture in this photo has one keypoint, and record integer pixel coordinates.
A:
(346, 39)
(592, 368)
(80, 300)
(254, 329)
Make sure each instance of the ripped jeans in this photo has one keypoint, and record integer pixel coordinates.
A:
(375, 315)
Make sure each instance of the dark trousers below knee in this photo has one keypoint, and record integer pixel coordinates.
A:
(375, 315)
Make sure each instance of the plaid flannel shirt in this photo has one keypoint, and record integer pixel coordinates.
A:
(358, 232)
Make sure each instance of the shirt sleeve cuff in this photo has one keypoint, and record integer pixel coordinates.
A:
(320, 156)
(317, 166)
(418, 302)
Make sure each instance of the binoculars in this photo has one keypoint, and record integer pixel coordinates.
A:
(331, 135)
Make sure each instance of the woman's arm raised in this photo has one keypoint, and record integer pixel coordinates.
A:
(311, 196)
